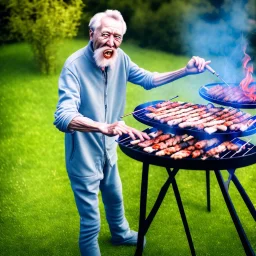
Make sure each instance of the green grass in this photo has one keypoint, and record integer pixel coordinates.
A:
(38, 214)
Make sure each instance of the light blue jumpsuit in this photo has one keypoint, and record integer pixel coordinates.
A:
(84, 90)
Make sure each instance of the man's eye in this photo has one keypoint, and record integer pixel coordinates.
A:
(105, 34)
(118, 37)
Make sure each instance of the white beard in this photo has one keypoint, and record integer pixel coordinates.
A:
(103, 62)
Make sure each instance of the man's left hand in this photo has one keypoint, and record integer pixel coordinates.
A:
(196, 65)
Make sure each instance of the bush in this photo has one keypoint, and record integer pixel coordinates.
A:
(5, 36)
(43, 24)
(160, 26)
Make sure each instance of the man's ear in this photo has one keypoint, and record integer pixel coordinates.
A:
(91, 34)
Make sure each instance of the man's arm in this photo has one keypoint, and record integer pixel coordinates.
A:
(195, 66)
(69, 100)
(68, 118)
(167, 77)
(84, 124)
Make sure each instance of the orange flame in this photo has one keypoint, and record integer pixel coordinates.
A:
(250, 92)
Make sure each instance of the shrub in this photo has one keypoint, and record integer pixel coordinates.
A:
(161, 27)
(44, 24)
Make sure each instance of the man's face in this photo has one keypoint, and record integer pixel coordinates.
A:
(106, 39)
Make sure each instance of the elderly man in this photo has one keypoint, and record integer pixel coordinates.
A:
(92, 89)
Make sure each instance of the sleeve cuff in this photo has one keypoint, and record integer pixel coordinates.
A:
(67, 122)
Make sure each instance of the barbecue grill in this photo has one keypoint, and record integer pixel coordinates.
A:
(140, 114)
(203, 91)
(246, 155)
(230, 161)
(226, 160)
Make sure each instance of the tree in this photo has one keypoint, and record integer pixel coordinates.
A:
(44, 24)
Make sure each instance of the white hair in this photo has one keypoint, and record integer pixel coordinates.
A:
(95, 21)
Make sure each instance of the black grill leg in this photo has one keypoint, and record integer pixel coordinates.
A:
(183, 216)
(143, 206)
(245, 197)
(208, 190)
(246, 244)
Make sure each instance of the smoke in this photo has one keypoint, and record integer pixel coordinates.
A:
(220, 36)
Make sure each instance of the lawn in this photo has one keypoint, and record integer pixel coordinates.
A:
(38, 215)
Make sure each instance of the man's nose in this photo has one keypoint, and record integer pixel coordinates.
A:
(111, 41)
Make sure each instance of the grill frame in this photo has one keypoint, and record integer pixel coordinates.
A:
(192, 131)
(203, 93)
(138, 154)
(210, 164)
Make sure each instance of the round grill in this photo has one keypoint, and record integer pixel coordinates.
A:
(227, 160)
(203, 91)
(140, 115)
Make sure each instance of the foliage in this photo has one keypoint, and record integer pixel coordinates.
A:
(43, 24)
(176, 25)
(159, 27)
(5, 36)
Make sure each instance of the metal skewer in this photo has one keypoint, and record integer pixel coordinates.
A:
(241, 148)
(248, 150)
(144, 108)
(118, 141)
(216, 74)
(229, 150)
(149, 134)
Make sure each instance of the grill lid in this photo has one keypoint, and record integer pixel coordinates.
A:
(140, 115)
(203, 92)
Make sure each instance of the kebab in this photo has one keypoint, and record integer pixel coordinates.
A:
(189, 151)
(208, 117)
(226, 145)
(156, 112)
(206, 143)
(164, 144)
(171, 111)
(163, 106)
(182, 146)
(181, 154)
(215, 125)
(179, 112)
(176, 148)
(232, 94)
(243, 126)
(192, 113)
(150, 142)
(188, 112)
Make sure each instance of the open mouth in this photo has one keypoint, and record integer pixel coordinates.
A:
(108, 53)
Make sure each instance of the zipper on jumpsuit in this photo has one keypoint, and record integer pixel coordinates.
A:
(105, 76)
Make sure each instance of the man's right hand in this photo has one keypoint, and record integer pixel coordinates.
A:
(196, 65)
(119, 128)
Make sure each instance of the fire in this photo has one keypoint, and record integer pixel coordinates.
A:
(250, 92)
